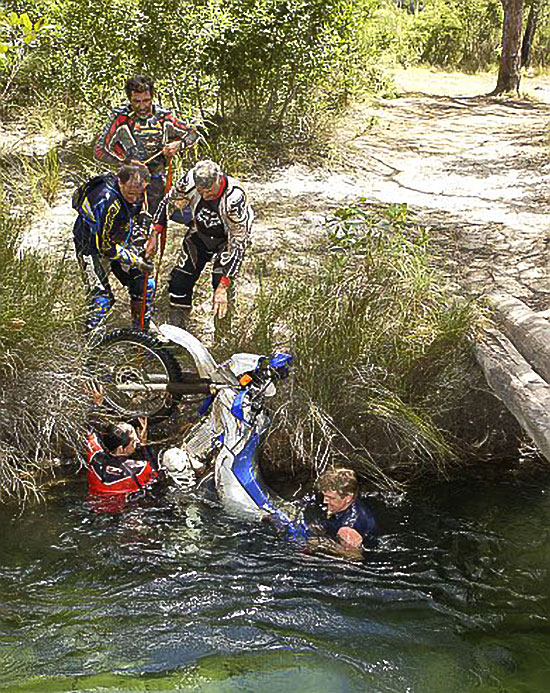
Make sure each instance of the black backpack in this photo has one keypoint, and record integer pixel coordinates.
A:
(85, 188)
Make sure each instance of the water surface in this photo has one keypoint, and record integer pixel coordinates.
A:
(173, 596)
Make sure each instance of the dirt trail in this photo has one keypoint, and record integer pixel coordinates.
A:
(473, 167)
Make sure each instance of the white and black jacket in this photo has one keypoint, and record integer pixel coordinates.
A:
(234, 211)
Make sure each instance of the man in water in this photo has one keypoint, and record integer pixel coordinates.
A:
(121, 466)
(348, 521)
(219, 231)
(107, 239)
(119, 461)
(140, 130)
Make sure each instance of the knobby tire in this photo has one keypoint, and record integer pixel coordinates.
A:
(127, 356)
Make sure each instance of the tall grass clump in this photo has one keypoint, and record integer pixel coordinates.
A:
(381, 349)
(45, 174)
(40, 405)
(27, 181)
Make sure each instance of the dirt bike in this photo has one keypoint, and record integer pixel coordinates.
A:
(141, 376)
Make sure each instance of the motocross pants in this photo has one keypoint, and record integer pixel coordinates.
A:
(191, 260)
(95, 270)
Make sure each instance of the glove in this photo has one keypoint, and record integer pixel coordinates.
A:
(144, 266)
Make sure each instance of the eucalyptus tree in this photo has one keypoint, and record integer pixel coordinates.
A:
(510, 60)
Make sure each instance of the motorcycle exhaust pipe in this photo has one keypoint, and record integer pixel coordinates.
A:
(197, 387)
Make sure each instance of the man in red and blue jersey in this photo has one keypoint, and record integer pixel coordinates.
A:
(143, 131)
(121, 467)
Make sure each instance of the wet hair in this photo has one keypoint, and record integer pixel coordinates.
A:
(115, 435)
(206, 173)
(139, 83)
(136, 168)
(343, 481)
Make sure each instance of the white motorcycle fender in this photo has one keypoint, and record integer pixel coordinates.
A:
(235, 499)
(206, 366)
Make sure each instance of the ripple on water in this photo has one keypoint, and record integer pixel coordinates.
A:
(453, 597)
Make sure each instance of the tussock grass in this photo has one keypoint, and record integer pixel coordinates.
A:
(41, 404)
(381, 347)
(28, 181)
(45, 175)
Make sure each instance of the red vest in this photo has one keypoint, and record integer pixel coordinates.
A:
(143, 476)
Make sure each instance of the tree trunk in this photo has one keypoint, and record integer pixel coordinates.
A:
(516, 361)
(528, 331)
(525, 394)
(510, 62)
(529, 34)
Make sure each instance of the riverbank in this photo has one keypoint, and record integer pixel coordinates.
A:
(446, 157)
(472, 167)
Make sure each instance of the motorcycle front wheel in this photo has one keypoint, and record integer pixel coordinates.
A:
(134, 370)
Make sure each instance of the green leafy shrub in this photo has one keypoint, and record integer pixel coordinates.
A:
(19, 35)
(459, 33)
(540, 50)
(92, 50)
(386, 35)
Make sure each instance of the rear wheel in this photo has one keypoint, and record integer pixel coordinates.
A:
(134, 369)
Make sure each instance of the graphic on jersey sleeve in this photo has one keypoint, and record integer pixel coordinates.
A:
(236, 206)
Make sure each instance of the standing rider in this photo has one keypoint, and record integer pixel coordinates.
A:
(221, 220)
(140, 130)
(107, 238)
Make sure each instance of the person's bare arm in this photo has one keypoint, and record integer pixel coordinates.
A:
(348, 536)
(142, 430)
(329, 547)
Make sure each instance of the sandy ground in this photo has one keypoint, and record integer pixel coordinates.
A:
(472, 167)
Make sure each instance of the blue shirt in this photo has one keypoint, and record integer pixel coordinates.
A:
(358, 517)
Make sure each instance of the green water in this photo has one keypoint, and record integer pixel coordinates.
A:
(175, 596)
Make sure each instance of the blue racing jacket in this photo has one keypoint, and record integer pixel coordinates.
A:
(106, 224)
